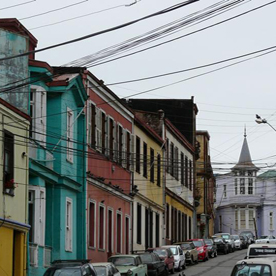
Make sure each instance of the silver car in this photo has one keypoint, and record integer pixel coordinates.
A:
(106, 269)
(237, 241)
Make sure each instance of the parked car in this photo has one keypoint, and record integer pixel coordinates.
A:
(222, 245)
(250, 236)
(179, 256)
(244, 241)
(228, 239)
(255, 267)
(166, 255)
(70, 267)
(211, 247)
(237, 241)
(129, 264)
(106, 269)
(155, 265)
(259, 250)
(189, 249)
(201, 248)
(266, 239)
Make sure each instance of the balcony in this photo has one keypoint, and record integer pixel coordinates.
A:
(242, 200)
(33, 254)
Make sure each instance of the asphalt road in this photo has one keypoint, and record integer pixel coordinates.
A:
(220, 266)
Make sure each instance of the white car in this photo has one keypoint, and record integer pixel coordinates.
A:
(237, 241)
(106, 269)
(255, 267)
(179, 256)
(266, 239)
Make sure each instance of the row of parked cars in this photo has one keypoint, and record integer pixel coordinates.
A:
(154, 261)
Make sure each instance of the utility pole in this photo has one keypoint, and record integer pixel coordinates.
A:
(255, 228)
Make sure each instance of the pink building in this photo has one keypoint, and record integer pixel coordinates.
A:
(109, 172)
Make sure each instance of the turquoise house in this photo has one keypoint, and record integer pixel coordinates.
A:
(57, 196)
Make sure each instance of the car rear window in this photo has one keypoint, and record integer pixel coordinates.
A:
(146, 258)
(185, 246)
(160, 252)
(63, 272)
(198, 243)
(261, 251)
(122, 260)
(251, 270)
(174, 250)
(101, 270)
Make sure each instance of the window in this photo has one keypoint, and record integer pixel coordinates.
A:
(139, 223)
(236, 186)
(101, 227)
(250, 173)
(190, 175)
(183, 227)
(176, 163)
(242, 186)
(32, 112)
(37, 215)
(220, 223)
(92, 223)
(111, 138)
(236, 219)
(182, 168)
(167, 221)
(68, 225)
(120, 143)
(138, 154)
(250, 186)
(224, 191)
(110, 231)
(186, 171)
(168, 155)
(145, 160)
(8, 178)
(127, 228)
(91, 124)
(242, 219)
(127, 148)
(172, 159)
(158, 170)
(251, 219)
(270, 220)
(104, 138)
(157, 229)
(190, 227)
(99, 136)
(119, 232)
(69, 135)
(151, 165)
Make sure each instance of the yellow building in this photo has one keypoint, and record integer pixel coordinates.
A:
(148, 205)
(14, 125)
(205, 191)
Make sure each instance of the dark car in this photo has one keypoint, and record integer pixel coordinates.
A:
(166, 255)
(250, 236)
(221, 244)
(212, 248)
(244, 241)
(70, 267)
(155, 265)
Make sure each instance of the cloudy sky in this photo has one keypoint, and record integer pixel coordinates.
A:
(227, 99)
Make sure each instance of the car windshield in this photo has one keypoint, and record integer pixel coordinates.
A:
(236, 237)
(185, 246)
(251, 270)
(225, 236)
(209, 242)
(101, 270)
(160, 252)
(146, 258)
(263, 237)
(198, 243)
(174, 250)
(70, 271)
(117, 261)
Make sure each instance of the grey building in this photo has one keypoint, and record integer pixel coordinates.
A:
(238, 197)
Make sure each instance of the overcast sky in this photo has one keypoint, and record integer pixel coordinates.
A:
(227, 99)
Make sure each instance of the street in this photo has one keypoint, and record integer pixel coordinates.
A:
(220, 266)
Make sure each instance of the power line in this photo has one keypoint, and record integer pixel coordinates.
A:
(164, 11)
(13, 6)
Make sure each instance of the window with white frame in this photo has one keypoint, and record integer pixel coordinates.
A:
(270, 220)
(224, 191)
(101, 227)
(38, 107)
(37, 215)
(92, 224)
(70, 135)
(250, 186)
(68, 224)
(236, 219)
(236, 186)
(98, 129)
(242, 219)
(242, 186)
(250, 219)
(91, 124)
(119, 232)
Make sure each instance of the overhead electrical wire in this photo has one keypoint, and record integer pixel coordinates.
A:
(16, 5)
(161, 12)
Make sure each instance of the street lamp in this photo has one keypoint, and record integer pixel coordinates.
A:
(260, 120)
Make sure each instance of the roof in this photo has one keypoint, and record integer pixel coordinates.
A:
(268, 174)
(245, 161)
